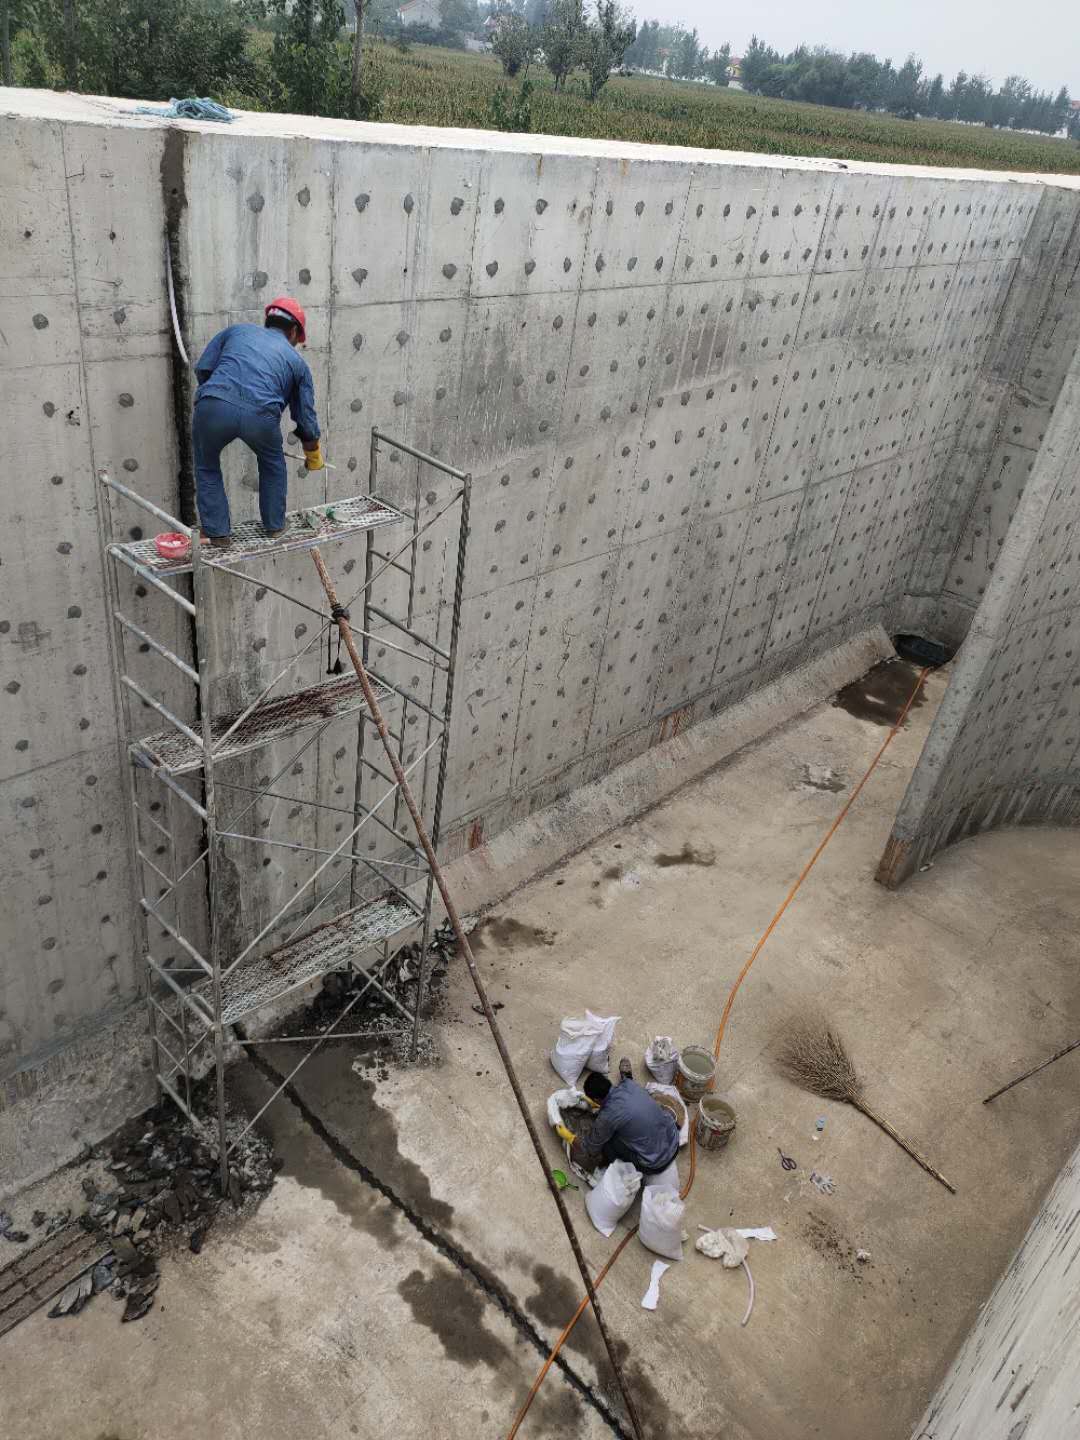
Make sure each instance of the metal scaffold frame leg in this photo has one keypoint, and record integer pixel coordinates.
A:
(187, 804)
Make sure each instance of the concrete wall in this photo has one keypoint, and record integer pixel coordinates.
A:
(995, 450)
(1018, 1373)
(1005, 745)
(711, 404)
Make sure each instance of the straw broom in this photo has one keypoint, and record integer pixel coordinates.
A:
(812, 1055)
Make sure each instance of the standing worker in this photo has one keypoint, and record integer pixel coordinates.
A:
(247, 376)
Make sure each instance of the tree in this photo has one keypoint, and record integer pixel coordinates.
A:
(908, 98)
(717, 66)
(459, 16)
(935, 97)
(563, 38)
(686, 55)
(357, 60)
(513, 43)
(536, 13)
(309, 62)
(644, 53)
(147, 49)
(757, 62)
(15, 15)
(606, 41)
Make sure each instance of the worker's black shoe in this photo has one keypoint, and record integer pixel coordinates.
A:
(220, 542)
(625, 1069)
(273, 534)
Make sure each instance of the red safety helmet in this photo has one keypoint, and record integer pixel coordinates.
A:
(289, 310)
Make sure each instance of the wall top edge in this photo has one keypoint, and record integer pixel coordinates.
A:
(68, 108)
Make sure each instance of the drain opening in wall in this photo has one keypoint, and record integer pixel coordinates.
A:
(921, 651)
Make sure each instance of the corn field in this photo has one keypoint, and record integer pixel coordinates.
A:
(430, 86)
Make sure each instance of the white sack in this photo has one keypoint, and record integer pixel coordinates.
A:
(613, 1196)
(577, 1041)
(660, 1227)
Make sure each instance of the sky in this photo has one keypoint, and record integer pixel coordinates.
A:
(1037, 40)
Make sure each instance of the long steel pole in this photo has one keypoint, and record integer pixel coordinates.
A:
(470, 960)
(203, 590)
(444, 749)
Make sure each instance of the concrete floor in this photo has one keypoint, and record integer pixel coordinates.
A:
(408, 1267)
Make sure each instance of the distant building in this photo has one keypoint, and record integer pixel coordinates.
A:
(420, 12)
(734, 68)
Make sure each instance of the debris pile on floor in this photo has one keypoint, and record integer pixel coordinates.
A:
(163, 1181)
(375, 1014)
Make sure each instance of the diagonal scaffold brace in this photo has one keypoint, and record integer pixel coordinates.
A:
(341, 618)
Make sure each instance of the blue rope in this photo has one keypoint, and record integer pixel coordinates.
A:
(187, 110)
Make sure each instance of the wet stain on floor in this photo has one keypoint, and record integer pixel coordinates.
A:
(881, 694)
(307, 1161)
(453, 1310)
(688, 855)
(506, 933)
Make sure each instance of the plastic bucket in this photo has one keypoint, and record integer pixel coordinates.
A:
(172, 545)
(695, 1074)
(715, 1123)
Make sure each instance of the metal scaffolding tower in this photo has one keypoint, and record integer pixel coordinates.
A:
(191, 851)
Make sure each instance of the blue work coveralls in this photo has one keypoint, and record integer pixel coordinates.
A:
(632, 1126)
(247, 375)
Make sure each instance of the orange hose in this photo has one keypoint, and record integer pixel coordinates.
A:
(813, 861)
(719, 1038)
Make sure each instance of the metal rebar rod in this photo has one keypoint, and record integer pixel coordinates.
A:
(160, 773)
(409, 698)
(157, 871)
(412, 634)
(321, 805)
(149, 578)
(392, 564)
(431, 460)
(318, 850)
(478, 984)
(261, 584)
(171, 929)
(193, 1002)
(144, 504)
(315, 639)
(291, 901)
(152, 821)
(317, 1039)
(166, 1016)
(1057, 1055)
(325, 1036)
(163, 650)
(162, 710)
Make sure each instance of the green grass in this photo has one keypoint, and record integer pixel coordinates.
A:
(431, 86)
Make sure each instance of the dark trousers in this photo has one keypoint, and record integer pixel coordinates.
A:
(616, 1149)
(217, 423)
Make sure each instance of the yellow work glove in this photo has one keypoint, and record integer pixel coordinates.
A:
(313, 458)
(565, 1134)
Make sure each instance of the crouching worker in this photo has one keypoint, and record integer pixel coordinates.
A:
(247, 375)
(629, 1125)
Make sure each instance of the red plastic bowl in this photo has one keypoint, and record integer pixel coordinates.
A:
(172, 545)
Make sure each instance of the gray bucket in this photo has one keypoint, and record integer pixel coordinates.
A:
(695, 1075)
